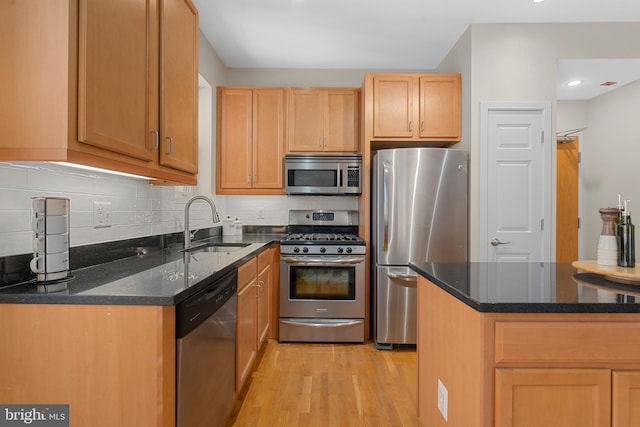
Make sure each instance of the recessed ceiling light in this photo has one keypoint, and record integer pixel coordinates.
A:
(608, 83)
(538, 1)
(574, 83)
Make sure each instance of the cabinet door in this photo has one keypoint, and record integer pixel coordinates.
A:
(179, 85)
(264, 305)
(440, 106)
(246, 349)
(341, 120)
(268, 138)
(235, 138)
(626, 398)
(34, 79)
(553, 397)
(113, 83)
(306, 107)
(393, 106)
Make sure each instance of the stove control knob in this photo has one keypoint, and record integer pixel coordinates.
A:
(305, 249)
(296, 249)
(349, 250)
(340, 250)
(323, 250)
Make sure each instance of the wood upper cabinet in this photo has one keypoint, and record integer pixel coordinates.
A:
(323, 120)
(251, 140)
(422, 107)
(102, 83)
(179, 33)
(545, 397)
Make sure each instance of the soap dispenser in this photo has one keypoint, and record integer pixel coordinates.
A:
(626, 239)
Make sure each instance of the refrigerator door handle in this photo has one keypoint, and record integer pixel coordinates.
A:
(404, 277)
(385, 206)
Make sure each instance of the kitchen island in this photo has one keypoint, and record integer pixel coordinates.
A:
(526, 344)
(106, 344)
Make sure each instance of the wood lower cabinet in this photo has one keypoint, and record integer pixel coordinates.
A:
(525, 369)
(114, 365)
(414, 107)
(255, 310)
(247, 320)
(323, 120)
(251, 140)
(101, 83)
(265, 294)
(547, 397)
(626, 398)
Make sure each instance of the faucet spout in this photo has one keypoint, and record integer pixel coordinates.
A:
(187, 231)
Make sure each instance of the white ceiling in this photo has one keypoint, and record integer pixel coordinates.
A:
(376, 34)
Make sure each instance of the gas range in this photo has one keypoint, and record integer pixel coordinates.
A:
(322, 278)
(322, 233)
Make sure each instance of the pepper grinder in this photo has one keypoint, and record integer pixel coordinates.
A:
(608, 242)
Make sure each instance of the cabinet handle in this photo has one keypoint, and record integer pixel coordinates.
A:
(157, 144)
(422, 126)
(255, 178)
(320, 142)
(170, 145)
(248, 179)
(410, 126)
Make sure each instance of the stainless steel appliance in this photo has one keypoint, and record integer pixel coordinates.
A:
(323, 174)
(419, 213)
(322, 278)
(206, 349)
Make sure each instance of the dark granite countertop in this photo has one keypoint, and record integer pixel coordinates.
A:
(153, 277)
(530, 288)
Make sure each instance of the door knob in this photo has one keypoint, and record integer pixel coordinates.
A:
(495, 242)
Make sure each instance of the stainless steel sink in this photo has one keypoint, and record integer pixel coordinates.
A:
(218, 247)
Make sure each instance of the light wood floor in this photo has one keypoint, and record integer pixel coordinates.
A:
(330, 385)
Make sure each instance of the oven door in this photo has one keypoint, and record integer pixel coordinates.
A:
(324, 286)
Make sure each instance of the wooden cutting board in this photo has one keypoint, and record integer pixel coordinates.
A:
(628, 275)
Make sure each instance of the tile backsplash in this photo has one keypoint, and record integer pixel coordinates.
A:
(138, 209)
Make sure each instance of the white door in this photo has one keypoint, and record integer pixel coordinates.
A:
(515, 193)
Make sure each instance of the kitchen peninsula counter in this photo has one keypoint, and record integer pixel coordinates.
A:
(511, 342)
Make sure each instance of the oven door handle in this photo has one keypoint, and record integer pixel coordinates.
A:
(320, 261)
(322, 325)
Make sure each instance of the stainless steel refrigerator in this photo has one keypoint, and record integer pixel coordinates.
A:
(419, 213)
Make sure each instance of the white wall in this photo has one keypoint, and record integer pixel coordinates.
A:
(610, 158)
(517, 62)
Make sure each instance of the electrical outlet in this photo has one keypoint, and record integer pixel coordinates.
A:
(260, 212)
(443, 399)
(101, 214)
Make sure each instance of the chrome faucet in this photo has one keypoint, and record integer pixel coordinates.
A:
(187, 232)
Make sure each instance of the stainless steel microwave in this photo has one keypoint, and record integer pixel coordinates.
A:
(323, 174)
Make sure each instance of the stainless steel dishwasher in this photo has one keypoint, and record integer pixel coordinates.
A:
(206, 348)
